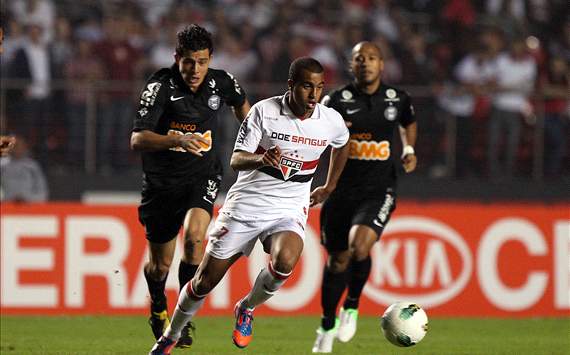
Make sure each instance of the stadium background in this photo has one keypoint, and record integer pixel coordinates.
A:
(500, 244)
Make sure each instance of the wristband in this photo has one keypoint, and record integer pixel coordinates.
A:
(408, 150)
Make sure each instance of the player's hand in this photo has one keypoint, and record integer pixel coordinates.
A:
(409, 162)
(271, 157)
(6, 144)
(193, 143)
(319, 195)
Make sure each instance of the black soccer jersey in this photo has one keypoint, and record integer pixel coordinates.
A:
(168, 106)
(370, 168)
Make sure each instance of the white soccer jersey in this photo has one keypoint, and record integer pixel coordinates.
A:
(268, 192)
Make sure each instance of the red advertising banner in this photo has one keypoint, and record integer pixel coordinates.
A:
(455, 259)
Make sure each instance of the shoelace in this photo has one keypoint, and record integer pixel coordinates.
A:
(244, 320)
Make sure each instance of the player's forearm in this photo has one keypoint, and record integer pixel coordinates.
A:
(148, 141)
(409, 134)
(338, 159)
(242, 160)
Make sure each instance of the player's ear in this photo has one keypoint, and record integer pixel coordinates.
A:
(290, 84)
(176, 58)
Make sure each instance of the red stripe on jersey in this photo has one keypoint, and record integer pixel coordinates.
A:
(310, 164)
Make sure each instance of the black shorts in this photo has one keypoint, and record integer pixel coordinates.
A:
(339, 214)
(162, 212)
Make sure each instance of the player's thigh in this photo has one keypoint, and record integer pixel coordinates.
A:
(196, 224)
(336, 220)
(286, 248)
(203, 193)
(361, 240)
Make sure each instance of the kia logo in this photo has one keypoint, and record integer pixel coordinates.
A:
(414, 275)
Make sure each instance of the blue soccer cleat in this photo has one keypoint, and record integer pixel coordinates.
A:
(243, 332)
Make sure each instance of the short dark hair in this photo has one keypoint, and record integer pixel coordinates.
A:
(304, 63)
(193, 38)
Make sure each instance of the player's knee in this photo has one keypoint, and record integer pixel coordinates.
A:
(194, 234)
(193, 243)
(284, 262)
(158, 270)
(337, 265)
(360, 251)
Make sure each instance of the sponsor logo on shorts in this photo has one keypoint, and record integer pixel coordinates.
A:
(384, 212)
(211, 191)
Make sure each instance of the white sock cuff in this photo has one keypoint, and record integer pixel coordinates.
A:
(191, 293)
(278, 275)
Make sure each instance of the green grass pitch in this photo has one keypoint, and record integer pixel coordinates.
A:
(280, 335)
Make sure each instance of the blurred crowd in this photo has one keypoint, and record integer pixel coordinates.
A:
(489, 78)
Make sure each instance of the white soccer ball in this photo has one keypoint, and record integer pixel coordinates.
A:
(404, 323)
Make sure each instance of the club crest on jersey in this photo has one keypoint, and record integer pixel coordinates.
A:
(390, 93)
(289, 167)
(214, 102)
(390, 113)
(346, 96)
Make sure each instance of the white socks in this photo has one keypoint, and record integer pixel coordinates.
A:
(188, 304)
(266, 284)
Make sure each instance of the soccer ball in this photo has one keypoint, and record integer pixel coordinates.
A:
(404, 323)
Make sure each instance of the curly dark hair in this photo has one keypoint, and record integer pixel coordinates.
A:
(193, 38)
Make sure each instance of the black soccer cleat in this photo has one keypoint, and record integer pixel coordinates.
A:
(187, 336)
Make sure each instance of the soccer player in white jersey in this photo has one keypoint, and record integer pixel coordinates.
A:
(276, 153)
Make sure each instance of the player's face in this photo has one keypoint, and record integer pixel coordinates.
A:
(193, 66)
(307, 90)
(366, 64)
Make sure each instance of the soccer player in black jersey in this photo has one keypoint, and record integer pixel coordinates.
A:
(175, 131)
(6, 142)
(355, 214)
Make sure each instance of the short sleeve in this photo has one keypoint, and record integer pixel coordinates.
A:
(232, 92)
(330, 100)
(250, 131)
(408, 115)
(151, 106)
(341, 133)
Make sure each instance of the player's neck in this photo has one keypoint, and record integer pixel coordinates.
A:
(298, 111)
(368, 88)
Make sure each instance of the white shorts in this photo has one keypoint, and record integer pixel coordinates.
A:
(231, 236)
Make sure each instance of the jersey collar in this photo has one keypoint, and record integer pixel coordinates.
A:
(286, 110)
